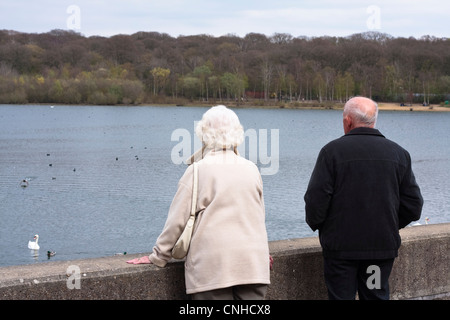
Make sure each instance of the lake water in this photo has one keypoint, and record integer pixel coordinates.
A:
(101, 179)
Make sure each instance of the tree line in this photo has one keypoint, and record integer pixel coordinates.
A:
(150, 67)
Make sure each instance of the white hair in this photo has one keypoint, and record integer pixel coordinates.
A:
(220, 128)
(361, 110)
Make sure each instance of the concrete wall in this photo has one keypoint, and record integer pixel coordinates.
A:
(420, 272)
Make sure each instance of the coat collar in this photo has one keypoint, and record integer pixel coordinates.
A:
(365, 131)
(203, 152)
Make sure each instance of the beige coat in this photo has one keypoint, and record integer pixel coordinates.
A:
(229, 244)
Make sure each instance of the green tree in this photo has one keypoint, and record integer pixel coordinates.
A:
(160, 77)
(202, 73)
(345, 86)
(319, 86)
(56, 91)
(234, 85)
(190, 86)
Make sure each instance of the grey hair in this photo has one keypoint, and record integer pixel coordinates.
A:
(361, 116)
(220, 128)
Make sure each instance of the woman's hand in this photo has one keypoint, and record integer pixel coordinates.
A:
(142, 260)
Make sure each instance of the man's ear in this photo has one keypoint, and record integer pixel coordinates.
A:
(348, 124)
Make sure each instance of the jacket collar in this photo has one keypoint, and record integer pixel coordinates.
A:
(365, 131)
(203, 152)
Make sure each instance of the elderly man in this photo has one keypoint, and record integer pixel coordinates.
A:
(361, 192)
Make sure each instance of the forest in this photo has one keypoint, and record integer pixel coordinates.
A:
(66, 67)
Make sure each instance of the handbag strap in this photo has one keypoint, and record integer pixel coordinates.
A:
(194, 189)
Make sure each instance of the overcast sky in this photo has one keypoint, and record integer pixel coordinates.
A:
(399, 18)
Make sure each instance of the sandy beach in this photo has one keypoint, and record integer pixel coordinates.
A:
(386, 106)
(413, 107)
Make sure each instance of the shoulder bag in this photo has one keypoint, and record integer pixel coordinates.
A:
(181, 247)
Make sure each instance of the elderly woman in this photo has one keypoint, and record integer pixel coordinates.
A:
(229, 255)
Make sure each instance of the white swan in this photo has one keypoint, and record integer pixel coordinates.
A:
(414, 224)
(34, 244)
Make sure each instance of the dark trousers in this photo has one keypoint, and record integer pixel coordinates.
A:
(370, 278)
(242, 292)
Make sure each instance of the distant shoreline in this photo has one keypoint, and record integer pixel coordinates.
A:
(383, 106)
(413, 107)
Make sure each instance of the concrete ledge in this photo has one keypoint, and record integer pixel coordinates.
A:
(420, 272)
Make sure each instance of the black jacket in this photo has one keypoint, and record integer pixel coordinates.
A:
(361, 192)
